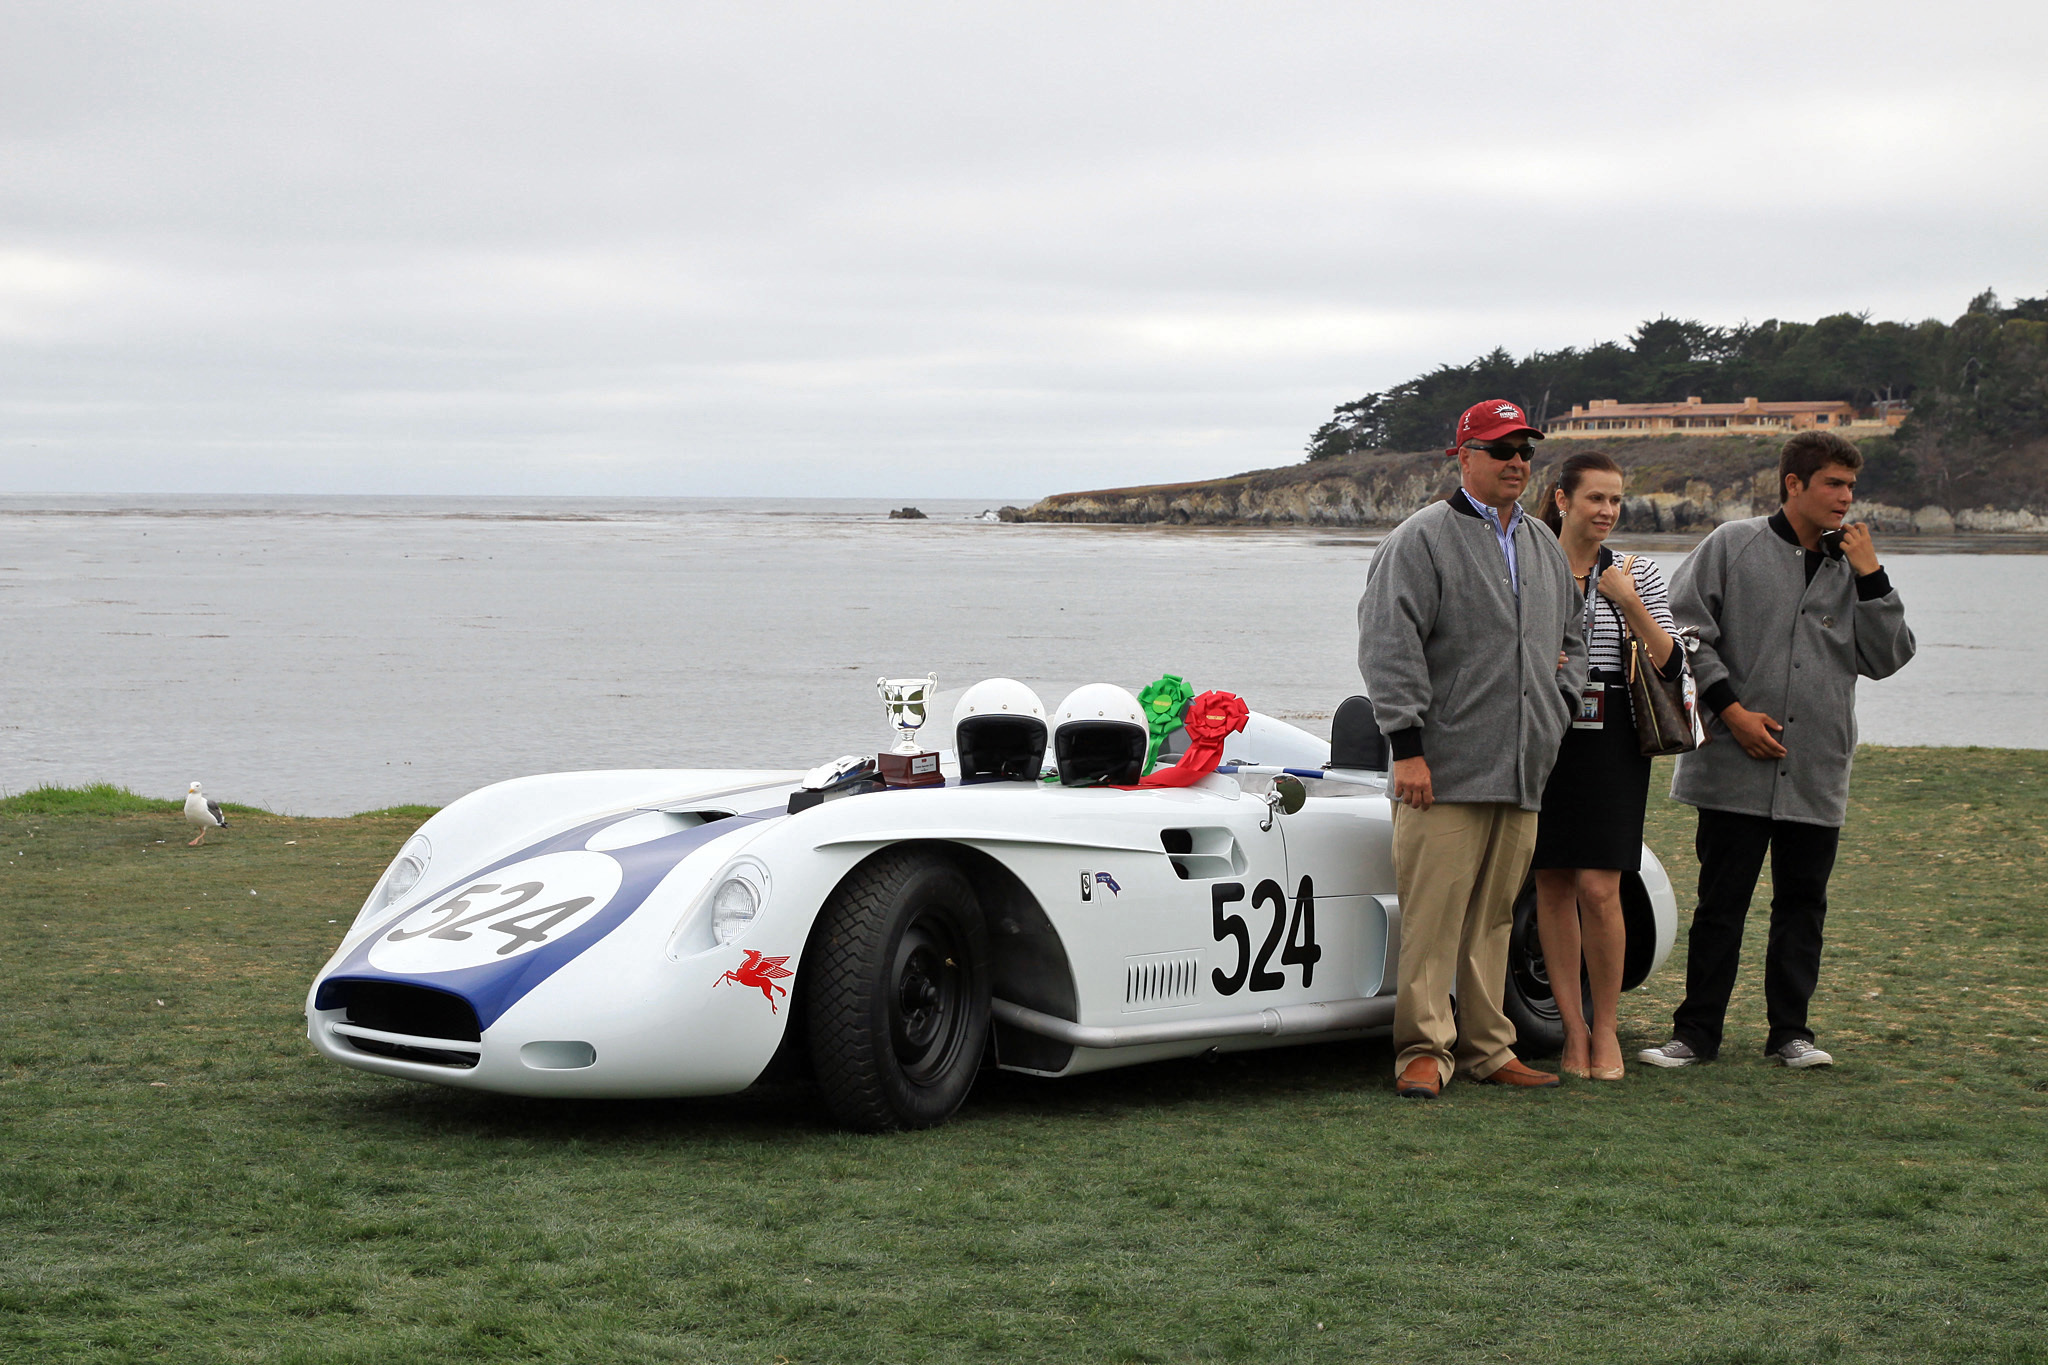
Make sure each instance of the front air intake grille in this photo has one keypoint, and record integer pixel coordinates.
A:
(391, 1007)
(406, 1052)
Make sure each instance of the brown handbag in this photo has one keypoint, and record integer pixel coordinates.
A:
(1666, 709)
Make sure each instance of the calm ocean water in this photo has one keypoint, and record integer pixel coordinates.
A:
(328, 655)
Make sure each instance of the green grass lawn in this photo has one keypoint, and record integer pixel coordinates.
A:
(185, 1181)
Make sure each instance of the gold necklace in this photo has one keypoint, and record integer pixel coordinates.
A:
(1581, 577)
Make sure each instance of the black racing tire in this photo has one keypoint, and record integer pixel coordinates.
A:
(899, 1011)
(1530, 999)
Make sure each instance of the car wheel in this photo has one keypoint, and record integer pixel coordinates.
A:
(1530, 1001)
(900, 989)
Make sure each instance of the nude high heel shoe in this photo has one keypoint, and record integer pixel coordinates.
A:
(1603, 1073)
(1565, 1068)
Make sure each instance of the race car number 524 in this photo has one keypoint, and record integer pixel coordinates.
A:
(500, 915)
(1300, 948)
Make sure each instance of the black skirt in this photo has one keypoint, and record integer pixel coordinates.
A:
(1593, 804)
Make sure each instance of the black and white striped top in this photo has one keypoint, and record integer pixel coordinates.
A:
(1605, 624)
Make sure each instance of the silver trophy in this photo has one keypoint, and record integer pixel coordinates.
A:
(909, 703)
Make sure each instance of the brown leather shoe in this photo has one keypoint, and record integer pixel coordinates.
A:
(1420, 1080)
(1513, 1072)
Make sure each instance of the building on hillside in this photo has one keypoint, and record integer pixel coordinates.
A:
(1605, 417)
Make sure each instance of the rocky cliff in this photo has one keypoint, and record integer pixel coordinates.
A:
(1672, 484)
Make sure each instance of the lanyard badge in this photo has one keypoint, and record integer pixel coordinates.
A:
(1592, 707)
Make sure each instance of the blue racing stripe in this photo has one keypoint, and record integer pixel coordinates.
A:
(495, 987)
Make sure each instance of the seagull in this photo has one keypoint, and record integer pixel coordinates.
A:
(202, 812)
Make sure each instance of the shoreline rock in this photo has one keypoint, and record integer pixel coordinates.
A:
(1673, 484)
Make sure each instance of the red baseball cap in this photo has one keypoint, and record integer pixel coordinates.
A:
(1492, 420)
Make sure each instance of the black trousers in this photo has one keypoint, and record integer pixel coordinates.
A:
(1731, 852)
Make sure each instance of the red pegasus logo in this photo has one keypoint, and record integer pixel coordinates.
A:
(759, 972)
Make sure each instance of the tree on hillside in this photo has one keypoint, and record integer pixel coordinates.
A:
(1670, 360)
(1357, 425)
(1985, 407)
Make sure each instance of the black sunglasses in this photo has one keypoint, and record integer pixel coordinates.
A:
(1502, 451)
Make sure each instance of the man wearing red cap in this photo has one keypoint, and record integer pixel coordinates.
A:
(1469, 640)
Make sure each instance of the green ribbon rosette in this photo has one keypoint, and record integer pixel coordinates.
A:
(1163, 703)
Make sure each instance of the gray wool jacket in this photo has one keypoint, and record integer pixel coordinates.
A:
(1459, 666)
(1790, 648)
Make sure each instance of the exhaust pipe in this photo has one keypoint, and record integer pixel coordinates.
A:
(1335, 1016)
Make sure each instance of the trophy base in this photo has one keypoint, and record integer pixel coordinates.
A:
(909, 770)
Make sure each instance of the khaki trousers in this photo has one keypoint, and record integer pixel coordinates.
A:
(1458, 868)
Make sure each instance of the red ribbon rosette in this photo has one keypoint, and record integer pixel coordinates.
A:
(1210, 719)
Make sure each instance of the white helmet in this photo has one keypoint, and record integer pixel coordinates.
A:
(1099, 737)
(999, 731)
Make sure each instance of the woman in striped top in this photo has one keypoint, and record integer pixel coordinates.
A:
(1591, 828)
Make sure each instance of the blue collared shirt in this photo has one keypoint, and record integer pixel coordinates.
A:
(1505, 534)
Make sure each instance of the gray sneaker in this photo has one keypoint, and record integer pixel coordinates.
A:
(1673, 1053)
(1799, 1053)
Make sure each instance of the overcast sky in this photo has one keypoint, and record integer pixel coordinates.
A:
(926, 250)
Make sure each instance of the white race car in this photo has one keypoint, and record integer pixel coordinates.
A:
(669, 933)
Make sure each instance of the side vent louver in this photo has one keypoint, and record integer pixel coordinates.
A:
(1159, 980)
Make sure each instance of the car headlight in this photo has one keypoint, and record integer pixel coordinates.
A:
(406, 872)
(401, 877)
(741, 892)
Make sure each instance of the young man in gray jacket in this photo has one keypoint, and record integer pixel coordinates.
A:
(1469, 640)
(1791, 610)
